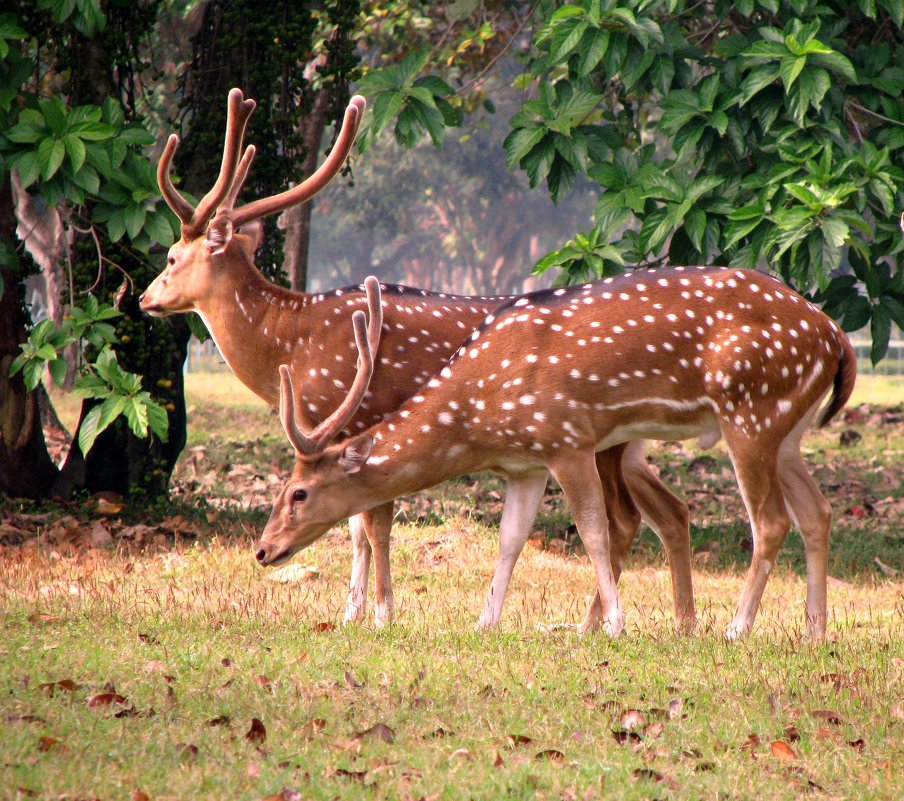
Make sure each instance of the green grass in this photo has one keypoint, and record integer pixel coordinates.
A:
(189, 631)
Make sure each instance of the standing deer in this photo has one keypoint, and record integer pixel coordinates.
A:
(556, 376)
(258, 326)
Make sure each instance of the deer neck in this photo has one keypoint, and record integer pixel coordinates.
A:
(256, 326)
(427, 441)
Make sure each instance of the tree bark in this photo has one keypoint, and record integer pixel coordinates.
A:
(297, 220)
(25, 466)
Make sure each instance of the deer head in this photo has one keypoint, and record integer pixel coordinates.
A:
(215, 233)
(283, 536)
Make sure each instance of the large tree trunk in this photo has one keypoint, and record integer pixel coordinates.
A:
(297, 220)
(25, 466)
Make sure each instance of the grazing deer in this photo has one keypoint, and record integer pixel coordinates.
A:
(258, 326)
(550, 379)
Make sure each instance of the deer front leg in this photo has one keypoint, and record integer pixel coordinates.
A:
(522, 497)
(576, 473)
(356, 603)
(377, 525)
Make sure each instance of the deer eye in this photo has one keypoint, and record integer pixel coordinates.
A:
(171, 261)
(299, 495)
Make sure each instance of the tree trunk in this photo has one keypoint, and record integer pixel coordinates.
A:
(297, 220)
(25, 466)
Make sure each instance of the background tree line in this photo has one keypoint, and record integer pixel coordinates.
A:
(756, 133)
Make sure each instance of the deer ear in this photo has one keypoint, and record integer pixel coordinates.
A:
(219, 235)
(250, 236)
(355, 453)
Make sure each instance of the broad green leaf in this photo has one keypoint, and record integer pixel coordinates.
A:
(385, 106)
(757, 80)
(790, 68)
(158, 421)
(519, 143)
(75, 148)
(89, 430)
(880, 332)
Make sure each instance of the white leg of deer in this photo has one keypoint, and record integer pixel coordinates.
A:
(577, 476)
(667, 515)
(378, 524)
(356, 604)
(812, 515)
(522, 497)
(623, 518)
(757, 474)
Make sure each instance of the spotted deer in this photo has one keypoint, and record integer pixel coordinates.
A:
(554, 377)
(257, 326)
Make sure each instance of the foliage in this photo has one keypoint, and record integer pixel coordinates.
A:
(72, 155)
(760, 151)
(760, 133)
(100, 378)
(418, 105)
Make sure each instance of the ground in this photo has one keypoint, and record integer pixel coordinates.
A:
(145, 655)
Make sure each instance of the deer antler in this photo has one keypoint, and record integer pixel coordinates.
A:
(367, 339)
(312, 185)
(194, 220)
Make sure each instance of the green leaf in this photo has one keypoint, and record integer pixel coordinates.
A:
(133, 217)
(93, 131)
(136, 413)
(158, 421)
(386, 105)
(75, 149)
(695, 226)
(54, 112)
(88, 430)
(880, 331)
(790, 68)
(197, 327)
(757, 80)
(28, 166)
(895, 309)
(519, 143)
(593, 48)
(57, 369)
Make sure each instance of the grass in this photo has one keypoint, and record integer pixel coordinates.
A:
(175, 646)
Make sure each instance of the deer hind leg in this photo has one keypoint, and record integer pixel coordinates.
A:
(812, 516)
(576, 473)
(522, 497)
(624, 520)
(377, 525)
(757, 472)
(356, 603)
(668, 516)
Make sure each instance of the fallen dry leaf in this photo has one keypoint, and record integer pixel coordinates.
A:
(827, 715)
(352, 682)
(105, 699)
(552, 754)
(257, 733)
(633, 719)
(379, 730)
(514, 740)
(781, 750)
(138, 795)
(463, 753)
(46, 743)
(52, 686)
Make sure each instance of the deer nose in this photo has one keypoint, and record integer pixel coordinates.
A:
(261, 555)
(141, 297)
